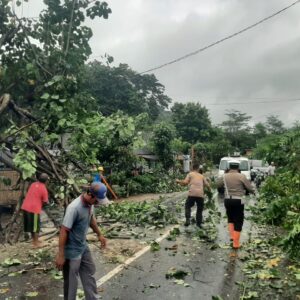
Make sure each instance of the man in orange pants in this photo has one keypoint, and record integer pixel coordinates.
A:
(235, 185)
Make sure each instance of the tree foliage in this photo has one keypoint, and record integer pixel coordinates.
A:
(108, 140)
(237, 129)
(191, 121)
(41, 95)
(259, 131)
(163, 135)
(121, 88)
(274, 125)
(279, 196)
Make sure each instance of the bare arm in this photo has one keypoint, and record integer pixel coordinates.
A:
(60, 257)
(96, 229)
(185, 181)
(206, 183)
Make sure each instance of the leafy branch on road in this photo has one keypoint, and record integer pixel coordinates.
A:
(154, 213)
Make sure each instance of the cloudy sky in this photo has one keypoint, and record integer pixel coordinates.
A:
(260, 65)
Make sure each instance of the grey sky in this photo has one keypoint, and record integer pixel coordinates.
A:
(261, 63)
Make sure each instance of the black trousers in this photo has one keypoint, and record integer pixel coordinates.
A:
(235, 213)
(189, 203)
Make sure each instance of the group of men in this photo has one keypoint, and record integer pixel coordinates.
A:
(74, 257)
(235, 185)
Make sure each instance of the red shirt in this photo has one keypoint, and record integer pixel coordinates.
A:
(37, 195)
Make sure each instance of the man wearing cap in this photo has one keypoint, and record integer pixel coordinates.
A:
(74, 256)
(235, 185)
(36, 197)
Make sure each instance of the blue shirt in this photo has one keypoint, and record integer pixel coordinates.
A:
(96, 177)
(77, 221)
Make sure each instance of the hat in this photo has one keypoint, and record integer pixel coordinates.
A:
(233, 164)
(98, 189)
(100, 168)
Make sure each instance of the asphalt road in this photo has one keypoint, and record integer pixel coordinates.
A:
(212, 271)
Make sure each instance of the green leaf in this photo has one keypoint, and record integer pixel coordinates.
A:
(70, 181)
(154, 246)
(31, 294)
(61, 122)
(216, 297)
(57, 275)
(10, 262)
(45, 96)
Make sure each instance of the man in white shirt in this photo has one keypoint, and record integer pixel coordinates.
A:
(271, 169)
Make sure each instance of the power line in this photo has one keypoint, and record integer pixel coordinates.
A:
(235, 98)
(255, 102)
(221, 40)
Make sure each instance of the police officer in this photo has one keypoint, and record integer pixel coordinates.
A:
(235, 185)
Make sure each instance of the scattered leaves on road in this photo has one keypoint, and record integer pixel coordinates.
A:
(176, 273)
(10, 262)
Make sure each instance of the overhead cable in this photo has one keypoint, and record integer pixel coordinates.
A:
(245, 103)
(221, 40)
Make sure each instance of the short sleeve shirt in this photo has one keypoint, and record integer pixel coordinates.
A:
(77, 221)
(196, 183)
(37, 195)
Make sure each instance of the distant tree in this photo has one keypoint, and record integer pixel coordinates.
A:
(237, 129)
(121, 88)
(219, 145)
(259, 131)
(180, 147)
(192, 122)
(274, 125)
(163, 135)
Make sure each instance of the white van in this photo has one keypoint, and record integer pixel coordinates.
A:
(244, 165)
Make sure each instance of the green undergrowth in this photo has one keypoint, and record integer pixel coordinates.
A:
(267, 272)
(279, 199)
(156, 182)
(154, 213)
(279, 205)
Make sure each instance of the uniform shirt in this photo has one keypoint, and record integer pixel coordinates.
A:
(77, 222)
(37, 195)
(196, 182)
(236, 184)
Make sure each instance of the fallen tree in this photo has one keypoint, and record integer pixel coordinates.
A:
(41, 100)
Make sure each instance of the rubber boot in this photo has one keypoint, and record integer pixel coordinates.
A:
(231, 230)
(236, 239)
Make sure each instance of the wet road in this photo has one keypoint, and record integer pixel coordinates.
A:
(211, 270)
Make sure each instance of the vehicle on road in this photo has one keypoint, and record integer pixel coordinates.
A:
(244, 165)
(224, 165)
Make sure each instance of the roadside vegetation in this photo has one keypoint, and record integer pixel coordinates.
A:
(279, 196)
